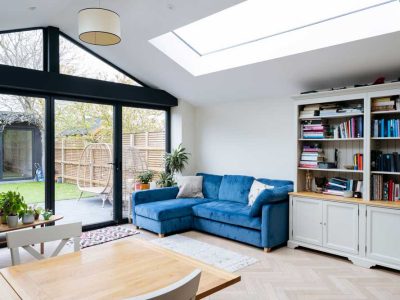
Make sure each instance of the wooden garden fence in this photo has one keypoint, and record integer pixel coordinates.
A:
(68, 150)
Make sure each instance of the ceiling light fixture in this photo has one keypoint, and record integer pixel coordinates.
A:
(99, 26)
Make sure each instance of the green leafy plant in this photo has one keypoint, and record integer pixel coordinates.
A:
(166, 180)
(27, 210)
(176, 160)
(146, 177)
(13, 203)
(47, 214)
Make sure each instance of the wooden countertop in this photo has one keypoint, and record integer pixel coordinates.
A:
(379, 203)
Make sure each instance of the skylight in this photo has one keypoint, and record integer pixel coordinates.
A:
(259, 30)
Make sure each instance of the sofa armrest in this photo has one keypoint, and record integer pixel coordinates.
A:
(277, 194)
(146, 196)
(275, 224)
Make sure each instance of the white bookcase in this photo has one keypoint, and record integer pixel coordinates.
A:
(358, 229)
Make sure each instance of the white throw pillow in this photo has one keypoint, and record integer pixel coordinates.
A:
(256, 189)
(190, 187)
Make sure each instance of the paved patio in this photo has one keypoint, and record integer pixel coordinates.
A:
(87, 210)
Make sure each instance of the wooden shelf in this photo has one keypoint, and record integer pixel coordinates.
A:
(332, 140)
(385, 112)
(385, 173)
(385, 138)
(380, 203)
(332, 170)
(338, 116)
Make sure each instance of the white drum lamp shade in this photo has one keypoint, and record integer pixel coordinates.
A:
(99, 26)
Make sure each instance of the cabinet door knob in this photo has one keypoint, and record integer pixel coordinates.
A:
(324, 224)
(320, 223)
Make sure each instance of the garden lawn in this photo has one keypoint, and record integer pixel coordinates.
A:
(33, 192)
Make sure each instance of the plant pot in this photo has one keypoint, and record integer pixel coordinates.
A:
(12, 221)
(36, 216)
(3, 219)
(28, 219)
(137, 186)
(144, 186)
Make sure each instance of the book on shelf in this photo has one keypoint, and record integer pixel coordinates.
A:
(331, 109)
(352, 128)
(385, 162)
(313, 129)
(386, 128)
(387, 190)
(338, 186)
(385, 104)
(358, 161)
(311, 156)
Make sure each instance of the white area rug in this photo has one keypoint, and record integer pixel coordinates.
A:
(218, 257)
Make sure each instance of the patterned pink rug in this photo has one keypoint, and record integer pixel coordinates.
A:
(104, 235)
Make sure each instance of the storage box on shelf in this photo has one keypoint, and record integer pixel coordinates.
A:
(360, 229)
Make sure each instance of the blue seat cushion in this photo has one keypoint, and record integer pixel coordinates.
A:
(228, 212)
(168, 209)
(211, 184)
(235, 188)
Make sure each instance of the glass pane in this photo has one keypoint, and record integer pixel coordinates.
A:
(83, 157)
(22, 49)
(78, 62)
(143, 149)
(22, 135)
(17, 153)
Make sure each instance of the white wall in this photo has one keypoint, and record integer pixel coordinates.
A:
(251, 138)
(183, 130)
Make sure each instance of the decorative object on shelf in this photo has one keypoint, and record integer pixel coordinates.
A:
(37, 212)
(320, 182)
(308, 181)
(28, 215)
(99, 26)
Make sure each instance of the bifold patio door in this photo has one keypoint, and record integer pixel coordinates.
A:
(84, 161)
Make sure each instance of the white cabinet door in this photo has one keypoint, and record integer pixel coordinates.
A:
(383, 238)
(307, 220)
(340, 222)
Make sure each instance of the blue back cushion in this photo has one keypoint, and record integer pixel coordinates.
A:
(235, 188)
(211, 184)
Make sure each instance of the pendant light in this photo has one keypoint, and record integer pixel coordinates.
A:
(99, 26)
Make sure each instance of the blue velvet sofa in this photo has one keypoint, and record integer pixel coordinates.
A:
(223, 211)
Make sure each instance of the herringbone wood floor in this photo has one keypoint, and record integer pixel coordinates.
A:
(293, 274)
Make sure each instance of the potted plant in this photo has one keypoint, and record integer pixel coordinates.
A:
(176, 160)
(47, 214)
(37, 212)
(166, 180)
(27, 215)
(13, 205)
(3, 215)
(145, 178)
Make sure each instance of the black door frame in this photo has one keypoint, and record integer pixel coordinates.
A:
(50, 85)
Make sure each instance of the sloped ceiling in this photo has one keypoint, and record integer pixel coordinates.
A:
(356, 62)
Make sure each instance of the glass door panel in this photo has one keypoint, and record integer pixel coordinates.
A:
(22, 151)
(83, 162)
(143, 148)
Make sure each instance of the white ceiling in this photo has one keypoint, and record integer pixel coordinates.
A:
(357, 62)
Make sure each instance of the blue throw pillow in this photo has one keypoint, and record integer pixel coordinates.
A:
(269, 196)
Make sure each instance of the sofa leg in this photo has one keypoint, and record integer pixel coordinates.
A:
(161, 235)
(137, 227)
(267, 250)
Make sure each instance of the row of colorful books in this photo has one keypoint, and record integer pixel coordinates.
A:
(387, 162)
(338, 186)
(358, 161)
(386, 128)
(352, 128)
(311, 156)
(385, 103)
(384, 190)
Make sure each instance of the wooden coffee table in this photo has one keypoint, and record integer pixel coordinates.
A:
(4, 227)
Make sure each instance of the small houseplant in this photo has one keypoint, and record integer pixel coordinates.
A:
(176, 160)
(47, 214)
(37, 212)
(166, 180)
(3, 216)
(145, 178)
(28, 215)
(13, 206)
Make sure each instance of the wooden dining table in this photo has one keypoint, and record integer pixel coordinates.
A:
(116, 270)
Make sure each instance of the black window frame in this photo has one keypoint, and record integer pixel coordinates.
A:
(51, 65)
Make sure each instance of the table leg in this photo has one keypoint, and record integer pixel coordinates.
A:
(42, 244)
